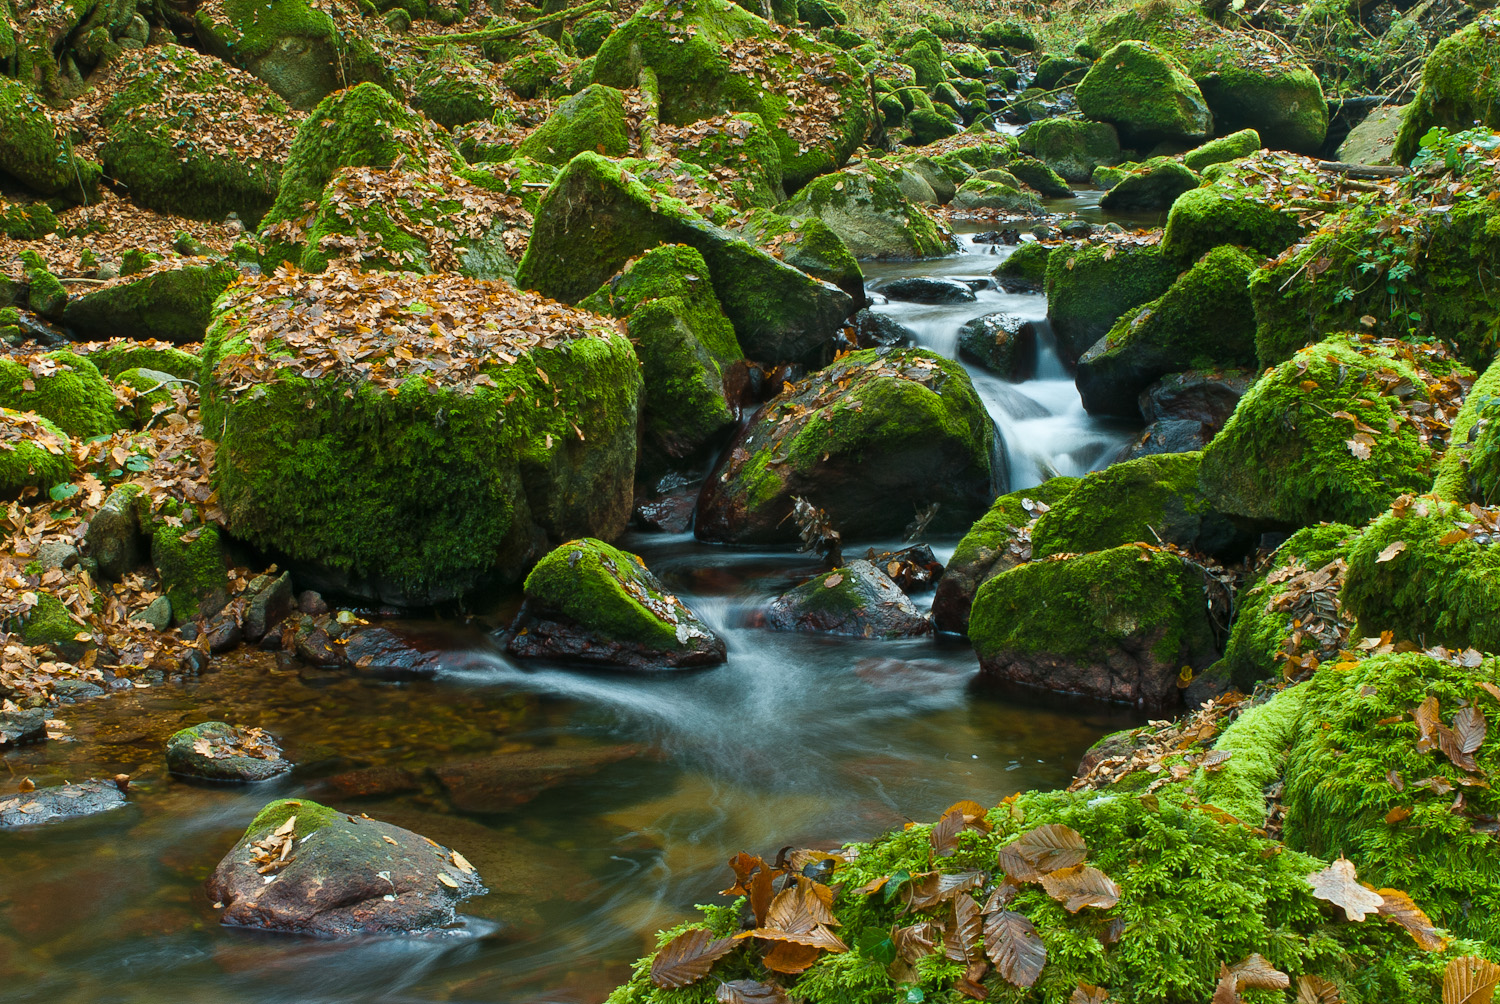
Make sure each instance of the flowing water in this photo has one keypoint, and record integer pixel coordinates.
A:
(651, 782)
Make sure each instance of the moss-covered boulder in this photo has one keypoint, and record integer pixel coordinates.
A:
(589, 602)
(1360, 782)
(1016, 35)
(1203, 320)
(1116, 625)
(873, 439)
(1470, 469)
(1072, 147)
(1146, 95)
(49, 622)
(1230, 210)
(172, 305)
(118, 355)
(1039, 177)
(217, 751)
(696, 50)
(590, 31)
(856, 599)
(26, 221)
(1151, 500)
(297, 49)
(1089, 287)
(1426, 570)
(864, 205)
(177, 130)
(193, 563)
(540, 71)
(593, 119)
(1459, 87)
(778, 312)
(999, 541)
(33, 152)
(809, 245)
(1225, 148)
(395, 479)
(736, 149)
(339, 876)
(684, 341)
(451, 90)
(1326, 435)
(1024, 269)
(1152, 185)
(989, 194)
(34, 453)
(146, 393)
(62, 387)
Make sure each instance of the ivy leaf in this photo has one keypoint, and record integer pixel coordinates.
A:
(687, 958)
(1338, 885)
(878, 945)
(1012, 944)
(1317, 990)
(1470, 980)
(1399, 908)
(1081, 886)
(1255, 973)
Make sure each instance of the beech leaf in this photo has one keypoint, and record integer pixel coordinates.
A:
(1255, 973)
(1399, 908)
(1338, 885)
(687, 958)
(1470, 980)
(1426, 716)
(931, 888)
(1081, 886)
(964, 940)
(790, 959)
(1042, 850)
(1390, 552)
(1087, 993)
(750, 992)
(1227, 990)
(1013, 945)
(945, 831)
(914, 942)
(1317, 990)
(1470, 727)
(968, 984)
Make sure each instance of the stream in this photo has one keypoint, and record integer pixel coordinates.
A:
(599, 807)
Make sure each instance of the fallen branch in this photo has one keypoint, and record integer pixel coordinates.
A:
(1361, 170)
(513, 30)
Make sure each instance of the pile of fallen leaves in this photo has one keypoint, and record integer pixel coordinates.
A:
(255, 743)
(271, 853)
(1320, 629)
(1170, 750)
(385, 328)
(24, 427)
(808, 81)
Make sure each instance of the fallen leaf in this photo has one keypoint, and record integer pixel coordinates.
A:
(750, 992)
(1390, 552)
(1087, 993)
(448, 880)
(1339, 885)
(1042, 850)
(1317, 990)
(1081, 886)
(1254, 973)
(1470, 980)
(687, 958)
(1399, 909)
(1011, 942)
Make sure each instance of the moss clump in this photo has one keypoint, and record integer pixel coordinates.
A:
(1072, 147)
(32, 153)
(33, 453)
(978, 193)
(452, 91)
(1459, 87)
(864, 205)
(26, 222)
(115, 357)
(1039, 176)
(535, 73)
(1009, 35)
(1284, 456)
(1355, 740)
(1150, 499)
(69, 391)
(1225, 148)
(1145, 94)
(49, 624)
(1210, 217)
(590, 31)
(738, 147)
(808, 245)
(311, 817)
(1153, 184)
(172, 306)
(1089, 287)
(1470, 470)
(1026, 265)
(1202, 321)
(193, 568)
(1257, 743)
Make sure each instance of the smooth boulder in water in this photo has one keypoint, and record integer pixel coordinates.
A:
(66, 801)
(928, 289)
(855, 599)
(217, 751)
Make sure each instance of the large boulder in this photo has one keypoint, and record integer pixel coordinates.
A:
(737, 149)
(1002, 343)
(32, 152)
(1373, 140)
(808, 245)
(169, 304)
(303, 868)
(62, 387)
(1245, 204)
(451, 448)
(34, 453)
(999, 541)
(1072, 147)
(1326, 435)
(778, 312)
(856, 599)
(1090, 286)
(1152, 185)
(992, 194)
(1146, 95)
(864, 205)
(589, 602)
(1225, 148)
(1203, 320)
(1115, 625)
(593, 120)
(1459, 88)
(873, 439)
(814, 98)
(1470, 469)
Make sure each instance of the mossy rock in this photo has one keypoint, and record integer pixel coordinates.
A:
(154, 392)
(1002, 343)
(34, 453)
(590, 31)
(165, 132)
(698, 78)
(1114, 625)
(1203, 320)
(855, 600)
(1222, 213)
(1009, 35)
(978, 193)
(295, 48)
(1090, 287)
(994, 544)
(1429, 592)
(1459, 87)
(1153, 184)
(587, 601)
(535, 73)
(452, 91)
(1153, 499)
(1025, 267)
(26, 221)
(1039, 176)
(778, 312)
(1257, 741)
(923, 52)
(194, 567)
(416, 496)
(873, 439)
(929, 126)
(32, 153)
(865, 207)
(45, 293)
(740, 147)
(808, 245)
(1225, 148)
(115, 357)
(226, 759)
(1285, 457)
(1470, 469)
(1059, 71)
(49, 624)
(171, 306)
(1356, 739)
(1072, 147)
(69, 391)
(1146, 95)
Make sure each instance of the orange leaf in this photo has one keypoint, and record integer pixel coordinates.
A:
(1081, 886)
(1470, 980)
(1399, 909)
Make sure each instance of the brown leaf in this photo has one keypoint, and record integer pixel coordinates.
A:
(687, 958)
(790, 958)
(1013, 945)
(743, 865)
(833, 580)
(1452, 747)
(1470, 727)
(944, 834)
(914, 942)
(930, 888)
(762, 888)
(1253, 972)
(1317, 990)
(968, 984)
(1087, 993)
(1399, 908)
(1491, 689)
(750, 992)
(1227, 990)
(1081, 886)
(1338, 885)
(974, 814)
(1390, 552)
(1426, 715)
(1470, 980)
(1399, 814)
(963, 941)
(1042, 850)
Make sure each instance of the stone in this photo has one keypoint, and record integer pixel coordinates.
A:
(1458, 88)
(928, 289)
(1002, 343)
(855, 599)
(1072, 147)
(270, 602)
(1146, 95)
(874, 329)
(172, 306)
(56, 554)
(864, 204)
(1155, 184)
(1225, 148)
(19, 728)
(1373, 140)
(1089, 288)
(217, 751)
(67, 801)
(157, 615)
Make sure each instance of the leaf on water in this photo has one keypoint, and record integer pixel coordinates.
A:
(1227, 990)
(1317, 990)
(1087, 993)
(1013, 945)
(929, 889)
(1390, 552)
(1470, 980)
(1399, 908)
(687, 958)
(1339, 885)
(1426, 716)
(750, 992)
(1254, 973)
(944, 834)
(447, 880)
(1081, 886)
(1042, 850)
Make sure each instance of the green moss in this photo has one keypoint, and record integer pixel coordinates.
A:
(26, 222)
(49, 624)
(1257, 743)
(32, 153)
(1152, 184)
(590, 31)
(809, 245)
(864, 205)
(742, 146)
(1225, 148)
(534, 73)
(1210, 217)
(1072, 147)
(1466, 472)
(977, 193)
(76, 396)
(192, 566)
(1356, 731)
(452, 91)
(311, 817)
(115, 357)
(172, 306)
(1459, 87)
(1028, 262)
(600, 587)
(1144, 93)
(25, 462)
(1009, 35)
(1284, 457)
(1089, 287)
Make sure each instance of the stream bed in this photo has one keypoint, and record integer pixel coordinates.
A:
(597, 806)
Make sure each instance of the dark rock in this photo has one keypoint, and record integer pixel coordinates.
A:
(368, 782)
(857, 599)
(344, 876)
(1008, 236)
(913, 569)
(393, 654)
(17, 728)
(68, 801)
(157, 615)
(217, 751)
(311, 602)
(224, 632)
(1116, 744)
(271, 601)
(1076, 228)
(1206, 396)
(114, 534)
(1171, 435)
(70, 691)
(505, 781)
(928, 289)
(873, 329)
(1002, 343)
(315, 639)
(668, 509)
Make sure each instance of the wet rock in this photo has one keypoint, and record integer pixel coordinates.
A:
(1090, 287)
(928, 289)
(668, 508)
(1170, 435)
(18, 728)
(56, 554)
(590, 602)
(157, 615)
(503, 782)
(271, 601)
(1116, 744)
(1207, 396)
(338, 876)
(856, 599)
(866, 207)
(873, 329)
(1024, 270)
(217, 751)
(1072, 147)
(68, 801)
(1155, 184)
(391, 653)
(224, 632)
(913, 569)
(1002, 343)
(311, 602)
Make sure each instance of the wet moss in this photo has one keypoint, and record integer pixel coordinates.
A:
(864, 205)
(608, 591)
(1028, 262)
(311, 817)
(76, 396)
(193, 568)
(1089, 287)
(1072, 147)
(1225, 148)
(26, 463)
(1257, 742)
(1144, 93)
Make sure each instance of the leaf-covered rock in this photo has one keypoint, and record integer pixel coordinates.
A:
(856, 599)
(864, 205)
(62, 387)
(217, 751)
(33, 453)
